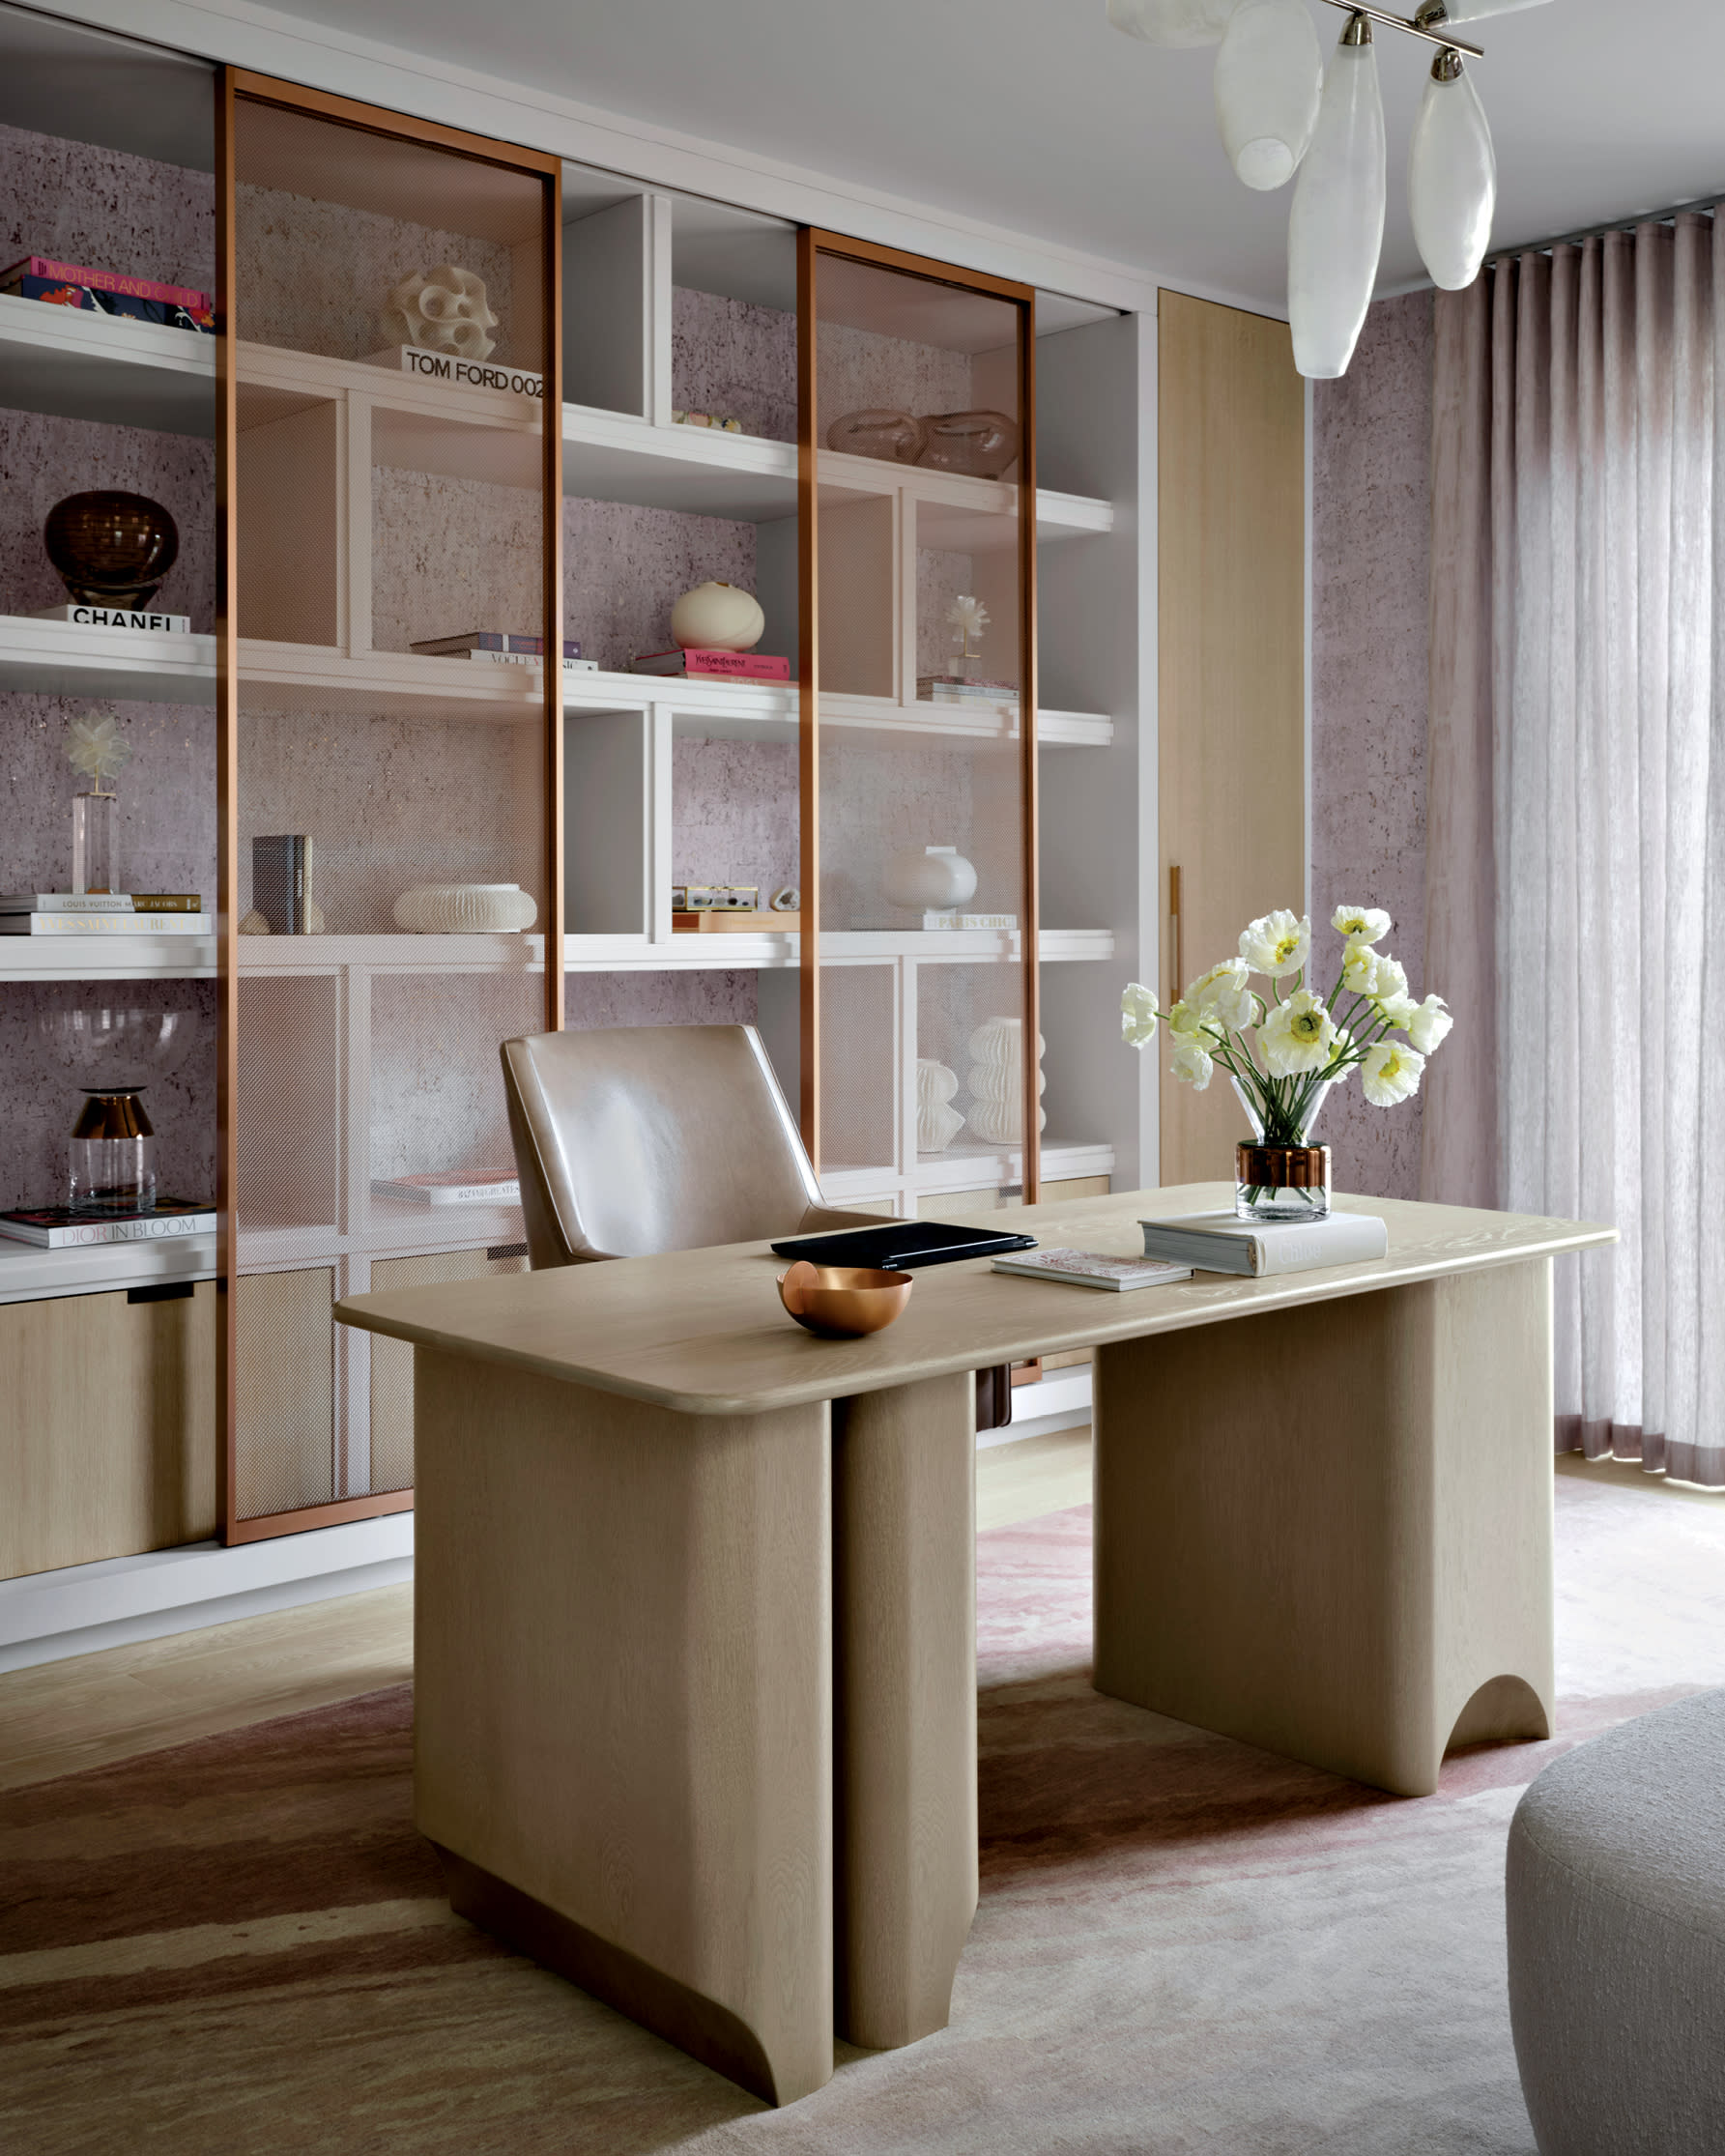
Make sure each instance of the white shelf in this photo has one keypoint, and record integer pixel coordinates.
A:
(390, 1230)
(769, 951)
(114, 957)
(958, 514)
(263, 955)
(61, 658)
(967, 1166)
(28, 1275)
(611, 456)
(80, 365)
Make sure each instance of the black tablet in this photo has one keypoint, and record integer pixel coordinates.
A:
(899, 1246)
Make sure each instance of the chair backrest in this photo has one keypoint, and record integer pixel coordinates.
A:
(642, 1138)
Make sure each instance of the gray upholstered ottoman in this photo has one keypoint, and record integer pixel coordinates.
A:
(1617, 1939)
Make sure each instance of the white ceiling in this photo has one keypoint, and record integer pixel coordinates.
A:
(1037, 116)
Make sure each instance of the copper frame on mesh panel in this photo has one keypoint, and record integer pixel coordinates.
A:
(240, 89)
(813, 244)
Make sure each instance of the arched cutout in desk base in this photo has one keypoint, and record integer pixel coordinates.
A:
(701, 2027)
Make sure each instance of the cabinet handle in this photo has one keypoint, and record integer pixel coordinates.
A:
(1177, 922)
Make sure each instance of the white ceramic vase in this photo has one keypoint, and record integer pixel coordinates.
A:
(931, 877)
(466, 909)
(937, 1122)
(996, 1080)
(717, 618)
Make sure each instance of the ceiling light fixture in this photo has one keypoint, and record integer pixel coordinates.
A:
(1281, 114)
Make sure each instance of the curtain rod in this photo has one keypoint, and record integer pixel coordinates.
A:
(1701, 204)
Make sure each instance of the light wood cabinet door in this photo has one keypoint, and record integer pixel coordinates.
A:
(108, 1427)
(1232, 695)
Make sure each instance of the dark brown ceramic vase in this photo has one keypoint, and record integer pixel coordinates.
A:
(112, 549)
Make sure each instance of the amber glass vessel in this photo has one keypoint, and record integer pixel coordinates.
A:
(388, 319)
(112, 549)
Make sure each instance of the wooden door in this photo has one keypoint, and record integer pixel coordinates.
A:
(1232, 706)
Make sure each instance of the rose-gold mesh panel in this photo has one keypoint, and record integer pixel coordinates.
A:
(920, 578)
(857, 1099)
(392, 1361)
(284, 1381)
(377, 508)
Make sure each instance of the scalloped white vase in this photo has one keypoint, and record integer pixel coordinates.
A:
(466, 909)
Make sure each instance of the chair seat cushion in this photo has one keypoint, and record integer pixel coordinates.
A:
(1616, 1904)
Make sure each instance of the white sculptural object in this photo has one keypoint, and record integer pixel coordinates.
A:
(937, 1122)
(937, 877)
(441, 310)
(996, 1081)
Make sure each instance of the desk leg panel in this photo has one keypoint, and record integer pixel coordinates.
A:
(624, 1701)
(905, 1617)
(1327, 1530)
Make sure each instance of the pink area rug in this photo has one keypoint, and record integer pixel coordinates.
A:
(1183, 1945)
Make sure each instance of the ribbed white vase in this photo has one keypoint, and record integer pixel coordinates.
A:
(464, 909)
(996, 1080)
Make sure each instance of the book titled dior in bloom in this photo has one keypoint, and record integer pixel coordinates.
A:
(1093, 1269)
(462, 1185)
(64, 1228)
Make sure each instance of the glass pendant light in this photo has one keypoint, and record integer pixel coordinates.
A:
(1269, 76)
(1336, 232)
(1437, 12)
(1452, 176)
(1172, 22)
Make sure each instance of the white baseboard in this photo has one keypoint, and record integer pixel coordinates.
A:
(46, 1616)
(1060, 1402)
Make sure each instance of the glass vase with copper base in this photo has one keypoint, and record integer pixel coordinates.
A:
(113, 1154)
(1279, 1174)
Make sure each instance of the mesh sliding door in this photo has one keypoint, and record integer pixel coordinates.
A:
(391, 718)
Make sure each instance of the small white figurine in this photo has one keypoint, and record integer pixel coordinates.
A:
(441, 310)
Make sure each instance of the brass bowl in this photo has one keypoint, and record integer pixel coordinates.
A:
(843, 1302)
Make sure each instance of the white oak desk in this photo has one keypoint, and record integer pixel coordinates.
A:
(696, 1651)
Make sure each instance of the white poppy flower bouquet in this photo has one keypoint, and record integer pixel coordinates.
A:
(1283, 1050)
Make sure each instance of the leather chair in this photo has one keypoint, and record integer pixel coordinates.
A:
(641, 1139)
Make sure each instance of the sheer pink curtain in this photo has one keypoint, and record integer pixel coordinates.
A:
(1576, 832)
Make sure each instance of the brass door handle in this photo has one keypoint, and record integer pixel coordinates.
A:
(1177, 924)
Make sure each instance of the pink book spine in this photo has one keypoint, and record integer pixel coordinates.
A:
(110, 280)
(748, 666)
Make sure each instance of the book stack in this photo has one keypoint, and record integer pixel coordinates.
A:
(696, 664)
(105, 913)
(64, 1228)
(961, 688)
(502, 648)
(1223, 1243)
(62, 284)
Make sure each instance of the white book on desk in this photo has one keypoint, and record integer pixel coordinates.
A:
(1093, 1269)
(1257, 1249)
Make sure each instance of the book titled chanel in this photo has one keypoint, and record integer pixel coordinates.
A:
(118, 617)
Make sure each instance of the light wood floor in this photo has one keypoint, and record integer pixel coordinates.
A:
(96, 1709)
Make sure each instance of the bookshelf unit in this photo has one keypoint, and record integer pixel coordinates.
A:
(665, 297)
